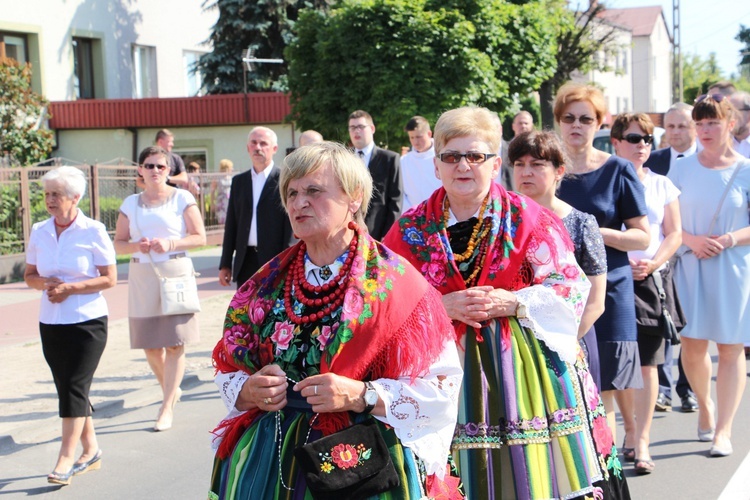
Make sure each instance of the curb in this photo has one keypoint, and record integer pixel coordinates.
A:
(48, 429)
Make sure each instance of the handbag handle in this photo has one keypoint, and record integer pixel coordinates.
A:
(723, 197)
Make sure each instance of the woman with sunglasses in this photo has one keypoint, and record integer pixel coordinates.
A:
(712, 271)
(157, 227)
(608, 188)
(530, 421)
(632, 137)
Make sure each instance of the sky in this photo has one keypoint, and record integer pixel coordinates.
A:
(706, 26)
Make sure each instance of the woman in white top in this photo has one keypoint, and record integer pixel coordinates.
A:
(632, 138)
(157, 226)
(71, 259)
(712, 273)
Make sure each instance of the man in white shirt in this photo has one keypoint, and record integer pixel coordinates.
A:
(681, 135)
(418, 165)
(741, 132)
(257, 227)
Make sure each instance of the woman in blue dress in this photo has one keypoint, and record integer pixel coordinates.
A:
(712, 272)
(608, 188)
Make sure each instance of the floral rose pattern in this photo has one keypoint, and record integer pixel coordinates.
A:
(344, 456)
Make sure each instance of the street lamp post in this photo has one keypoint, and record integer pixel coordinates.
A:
(247, 65)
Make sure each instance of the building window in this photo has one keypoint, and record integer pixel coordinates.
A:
(144, 71)
(14, 46)
(625, 62)
(83, 68)
(193, 76)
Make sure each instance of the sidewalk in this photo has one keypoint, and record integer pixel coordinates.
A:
(28, 401)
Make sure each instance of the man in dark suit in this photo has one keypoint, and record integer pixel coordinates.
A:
(385, 169)
(680, 134)
(257, 227)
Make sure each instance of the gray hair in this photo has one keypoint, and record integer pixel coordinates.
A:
(71, 178)
(267, 130)
(351, 174)
(680, 106)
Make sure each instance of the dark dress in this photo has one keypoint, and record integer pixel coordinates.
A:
(612, 194)
(590, 255)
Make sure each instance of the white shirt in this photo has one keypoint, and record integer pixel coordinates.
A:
(659, 192)
(418, 175)
(259, 181)
(367, 151)
(73, 257)
(673, 154)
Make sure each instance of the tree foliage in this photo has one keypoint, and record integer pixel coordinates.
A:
(743, 36)
(21, 114)
(266, 27)
(580, 35)
(398, 58)
(698, 74)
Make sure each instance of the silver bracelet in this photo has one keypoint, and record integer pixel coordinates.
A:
(732, 239)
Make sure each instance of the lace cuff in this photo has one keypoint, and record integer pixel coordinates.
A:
(551, 319)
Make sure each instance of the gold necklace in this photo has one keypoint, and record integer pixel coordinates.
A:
(473, 239)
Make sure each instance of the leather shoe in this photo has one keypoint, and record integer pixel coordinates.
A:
(663, 403)
(689, 404)
(723, 449)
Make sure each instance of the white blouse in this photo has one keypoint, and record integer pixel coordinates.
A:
(73, 257)
(164, 221)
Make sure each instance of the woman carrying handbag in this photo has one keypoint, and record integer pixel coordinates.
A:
(157, 227)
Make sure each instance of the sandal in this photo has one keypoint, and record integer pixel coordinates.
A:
(62, 478)
(643, 467)
(628, 454)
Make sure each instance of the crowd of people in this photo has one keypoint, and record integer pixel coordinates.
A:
(462, 321)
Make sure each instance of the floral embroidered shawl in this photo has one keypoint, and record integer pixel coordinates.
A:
(392, 324)
(518, 225)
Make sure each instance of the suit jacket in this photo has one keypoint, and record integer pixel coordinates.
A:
(388, 192)
(274, 228)
(506, 169)
(659, 161)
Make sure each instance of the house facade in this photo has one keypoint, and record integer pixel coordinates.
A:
(98, 63)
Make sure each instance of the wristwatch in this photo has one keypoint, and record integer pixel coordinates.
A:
(370, 396)
(521, 311)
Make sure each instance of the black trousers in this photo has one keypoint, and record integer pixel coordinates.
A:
(72, 353)
(250, 266)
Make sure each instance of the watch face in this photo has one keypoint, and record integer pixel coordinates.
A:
(371, 397)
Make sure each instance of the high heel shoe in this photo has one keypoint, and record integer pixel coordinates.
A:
(628, 454)
(163, 423)
(721, 450)
(93, 464)
(706, 435)
(62, 478)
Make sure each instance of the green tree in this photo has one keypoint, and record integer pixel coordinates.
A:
(699, 74)
(21, 114)
(579, 37)
(398, 58)
(266, 27)
(743, 36)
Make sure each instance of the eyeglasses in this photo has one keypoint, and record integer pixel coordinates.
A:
(151, 166)
(357, 128)
(637, 138)
(470, 157)
(583, 119)
(715, 97)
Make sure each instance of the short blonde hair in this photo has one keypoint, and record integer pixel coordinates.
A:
(72, 179)
(351, 174)
(225, 165)
(468, 121)
(577, 92)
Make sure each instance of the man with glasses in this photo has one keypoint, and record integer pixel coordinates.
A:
(681, 135)
(257, 227)
(741, 132)
(385, 169)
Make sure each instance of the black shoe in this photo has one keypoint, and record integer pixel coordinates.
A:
(663, 403)
(689, 404)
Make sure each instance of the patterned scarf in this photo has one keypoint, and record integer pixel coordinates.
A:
(392, 324)
(517, 225)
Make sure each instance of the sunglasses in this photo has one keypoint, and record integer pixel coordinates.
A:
(714, 97)
(151, 166)
(583, 119)
(637, 138)
(470, 157)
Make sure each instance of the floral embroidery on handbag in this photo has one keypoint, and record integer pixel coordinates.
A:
(344, 456)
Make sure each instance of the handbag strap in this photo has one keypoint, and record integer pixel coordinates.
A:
(659, 281)
(723, 197)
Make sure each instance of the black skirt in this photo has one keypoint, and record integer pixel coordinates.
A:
(72, 353)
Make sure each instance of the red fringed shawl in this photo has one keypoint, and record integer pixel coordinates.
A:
(392, 324)
(518, 225)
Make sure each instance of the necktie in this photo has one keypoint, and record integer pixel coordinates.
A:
(680, 156)
(361, 155)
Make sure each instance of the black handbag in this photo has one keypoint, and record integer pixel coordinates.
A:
(669, 330)
(350, 464)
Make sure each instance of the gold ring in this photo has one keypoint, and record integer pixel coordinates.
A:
(267, 401)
